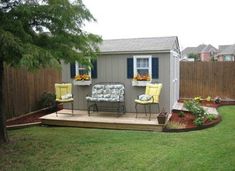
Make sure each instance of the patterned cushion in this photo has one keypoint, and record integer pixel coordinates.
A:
(66, 96)
(145, 97)
(109, 92)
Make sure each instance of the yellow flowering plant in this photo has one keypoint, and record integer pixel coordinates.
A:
(139, 77)
(198, 99)
(82, 77)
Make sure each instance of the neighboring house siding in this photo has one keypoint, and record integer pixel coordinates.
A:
(226, 58)
(205, 56)
(113, 68)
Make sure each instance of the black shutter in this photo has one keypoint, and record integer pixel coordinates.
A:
(155, 68)
(94, 69)
(130, 68)
(72, 70)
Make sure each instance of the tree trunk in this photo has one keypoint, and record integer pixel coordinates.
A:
(3, 131)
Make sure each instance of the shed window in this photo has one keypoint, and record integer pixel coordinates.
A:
(142, 66)
(82, 69)
(83, 72)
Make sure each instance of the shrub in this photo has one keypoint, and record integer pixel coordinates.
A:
(194, 107)
(211, 117)
(181, 114)
(198, 121)
(47, 99)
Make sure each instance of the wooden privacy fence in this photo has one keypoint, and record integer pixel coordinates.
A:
(207, 79)
(22, 89)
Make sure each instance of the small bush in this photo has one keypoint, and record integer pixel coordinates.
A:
(47, 99)
(194, 107)
(198, 121)
(181, 114)
(211, 117)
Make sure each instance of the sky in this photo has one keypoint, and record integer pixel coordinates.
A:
(193, 21)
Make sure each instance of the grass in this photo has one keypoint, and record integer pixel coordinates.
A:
(58, 148)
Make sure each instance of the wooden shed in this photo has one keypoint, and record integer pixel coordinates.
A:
(121, 60)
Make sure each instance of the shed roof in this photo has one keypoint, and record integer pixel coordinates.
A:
(139, 44)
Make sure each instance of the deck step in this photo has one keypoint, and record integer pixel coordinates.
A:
(103, 120)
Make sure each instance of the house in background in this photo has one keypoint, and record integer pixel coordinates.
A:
(121, 60)
(204, 52)
(226, 53)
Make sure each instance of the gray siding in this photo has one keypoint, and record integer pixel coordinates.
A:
(113, 68)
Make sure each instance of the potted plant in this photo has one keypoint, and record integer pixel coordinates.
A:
(162, 116)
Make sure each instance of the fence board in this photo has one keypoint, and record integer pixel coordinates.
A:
(22, 89)
(207, 79)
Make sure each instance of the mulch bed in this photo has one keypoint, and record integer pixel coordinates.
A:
(33, 117)
(188, 118)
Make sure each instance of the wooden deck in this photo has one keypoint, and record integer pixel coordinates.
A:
(105, 120)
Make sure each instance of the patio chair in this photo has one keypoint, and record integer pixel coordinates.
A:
(64, 94)
(151, 96)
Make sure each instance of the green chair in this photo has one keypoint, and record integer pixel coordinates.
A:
(151, 96)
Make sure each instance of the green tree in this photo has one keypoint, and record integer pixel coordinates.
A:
(194, 56)
(24, 43)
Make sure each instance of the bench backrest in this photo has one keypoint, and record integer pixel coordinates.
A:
(108, 92)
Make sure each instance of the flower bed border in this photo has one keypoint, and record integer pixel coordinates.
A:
(213, 123)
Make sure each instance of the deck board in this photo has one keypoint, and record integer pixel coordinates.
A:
(103, 120)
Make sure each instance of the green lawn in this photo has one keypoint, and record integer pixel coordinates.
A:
(58, 148)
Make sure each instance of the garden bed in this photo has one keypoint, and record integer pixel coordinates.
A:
(30, 118)
(185, 123)
(179, 123)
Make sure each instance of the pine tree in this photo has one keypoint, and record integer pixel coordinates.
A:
(40, 33)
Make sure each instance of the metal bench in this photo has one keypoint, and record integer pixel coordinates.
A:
(103, 93)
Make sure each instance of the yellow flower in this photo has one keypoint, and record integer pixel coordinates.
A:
(208, 98)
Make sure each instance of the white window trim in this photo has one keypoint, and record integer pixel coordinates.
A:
(82, 82)
(143, 56)
(77, 69)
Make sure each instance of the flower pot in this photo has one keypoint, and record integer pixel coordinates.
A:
(161, 119)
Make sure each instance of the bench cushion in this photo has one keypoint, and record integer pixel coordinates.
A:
(107, 93)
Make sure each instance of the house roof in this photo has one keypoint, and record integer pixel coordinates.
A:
(222, 47)
(209, 48)
(199, 49)
(228, 50)
(139, 44)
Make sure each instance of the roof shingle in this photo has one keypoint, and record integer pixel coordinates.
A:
(138, 44)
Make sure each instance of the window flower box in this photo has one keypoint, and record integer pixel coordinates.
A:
(140, 83)
(141, 80)
(82, 80)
